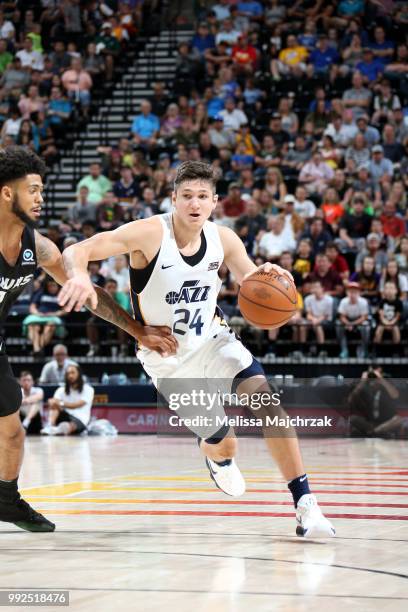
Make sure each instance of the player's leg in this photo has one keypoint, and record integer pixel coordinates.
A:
(284, 448)
(219, 451)
(13, 509)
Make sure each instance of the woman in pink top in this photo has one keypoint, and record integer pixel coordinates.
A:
(78, 83)
(31, 102)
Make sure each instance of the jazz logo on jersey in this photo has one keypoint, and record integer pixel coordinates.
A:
(189, 293)
(6, 284)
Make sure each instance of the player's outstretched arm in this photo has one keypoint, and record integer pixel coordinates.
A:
(156, 338)
(236, 258)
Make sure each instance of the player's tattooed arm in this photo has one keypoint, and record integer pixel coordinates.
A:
(156, 338)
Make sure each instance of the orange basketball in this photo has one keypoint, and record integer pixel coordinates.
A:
(267, 299)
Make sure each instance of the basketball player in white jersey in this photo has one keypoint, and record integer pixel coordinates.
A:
(174, 262)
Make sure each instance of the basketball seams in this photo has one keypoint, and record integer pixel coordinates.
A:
(241, 295)
(255, 280)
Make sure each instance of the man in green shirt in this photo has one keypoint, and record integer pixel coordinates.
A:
(109, 47)
(97, 183)
(5, 56)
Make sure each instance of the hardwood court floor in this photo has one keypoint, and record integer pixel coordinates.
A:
(140, 526)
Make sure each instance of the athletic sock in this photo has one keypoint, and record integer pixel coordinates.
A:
(223, 463)
(9, 490)
(299, 486)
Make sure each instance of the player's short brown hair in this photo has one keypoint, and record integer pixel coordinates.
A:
(195, 170)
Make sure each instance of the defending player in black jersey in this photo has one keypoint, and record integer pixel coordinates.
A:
(22, 250)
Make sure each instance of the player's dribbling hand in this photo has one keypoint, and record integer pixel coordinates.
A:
(76, 292)
(270, 267)
(158, 338)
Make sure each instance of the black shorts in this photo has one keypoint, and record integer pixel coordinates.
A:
(11, 394)
(35, 425)
(65, 417)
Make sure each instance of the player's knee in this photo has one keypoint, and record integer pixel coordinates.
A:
(12, 433)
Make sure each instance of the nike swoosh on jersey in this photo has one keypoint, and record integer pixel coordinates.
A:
(165, 267)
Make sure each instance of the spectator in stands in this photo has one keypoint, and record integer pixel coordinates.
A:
(98, 185)
(232, 116)
(61, 60)
(82, 210)
(78, 84)
(244, 56)
(171, 123)
(14, 78)
(45, 319)
(95, 325)
(304, 258)
(109, 46)
(338, 262)
(355, 225)
(222, 10)
(393, 223)
(382, 49)
(323, 56)
(31, 404)
(381, 169)
(294, 223)
(304, 207)
(273, 242)
(250, 224)
(126, 189)
(326, 275)
(233, 204)
(202, 39)
(389, 315)
(353, 315)
(370, 133)
(358, 151)
(393, 150)
(370, 67)
(291, 60)
(368, 279)
(319, 307)
(332, 208)
(145, 127)
(109, 214)
(70, 408)
(117, 268)
(374, 250)
(59, 110)
(53, 372)
(30, 58)
(316, 174)
(391, 274)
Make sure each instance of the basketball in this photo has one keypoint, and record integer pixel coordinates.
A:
(267, 299)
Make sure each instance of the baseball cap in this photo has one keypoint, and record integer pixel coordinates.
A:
(106, 24)
(373, 236)
(289, 199)
(377, 149)
(353, 285)
(218, 117)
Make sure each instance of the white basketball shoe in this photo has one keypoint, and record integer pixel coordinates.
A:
(228, 478)
(311, 521)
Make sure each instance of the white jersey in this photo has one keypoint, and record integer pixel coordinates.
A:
(180, 295)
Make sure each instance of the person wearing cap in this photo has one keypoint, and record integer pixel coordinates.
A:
(372, 249)
(370, 67)
(294, 223)
(202, 39)
(353, 314)
(323, 57)
(109, 46)
(219, 136)
(381, 169)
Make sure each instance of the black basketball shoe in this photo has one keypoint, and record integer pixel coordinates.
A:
(24, 516)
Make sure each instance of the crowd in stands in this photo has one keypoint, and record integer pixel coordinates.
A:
(55, 57)
(302, 107)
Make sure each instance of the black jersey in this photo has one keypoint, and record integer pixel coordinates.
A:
(13, 279)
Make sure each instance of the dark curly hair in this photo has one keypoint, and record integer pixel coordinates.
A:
(17, 162)
(195, 170)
